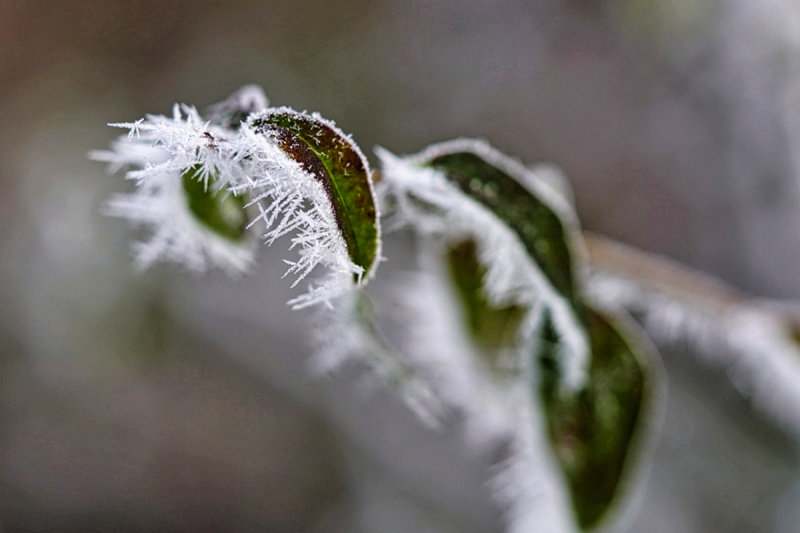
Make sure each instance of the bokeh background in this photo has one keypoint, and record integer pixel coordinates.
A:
(171, 402)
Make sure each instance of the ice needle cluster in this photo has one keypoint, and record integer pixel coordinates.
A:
(204, 183)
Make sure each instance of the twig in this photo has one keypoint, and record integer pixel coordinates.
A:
(695, 288)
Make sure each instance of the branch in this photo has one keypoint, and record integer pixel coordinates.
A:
(756, 341)
(686, 285)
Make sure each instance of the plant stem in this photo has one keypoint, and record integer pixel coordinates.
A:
(691, 287)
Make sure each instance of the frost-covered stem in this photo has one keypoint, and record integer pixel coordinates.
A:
(665, 275)
(355, 327)
(691, 287)
(756, 341)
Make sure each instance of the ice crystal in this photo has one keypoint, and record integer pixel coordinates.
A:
(291, 200)
(227, 155)
(157, 151)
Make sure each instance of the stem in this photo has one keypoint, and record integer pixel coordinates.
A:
(696, 289)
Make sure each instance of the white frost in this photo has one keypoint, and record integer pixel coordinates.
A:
(286, 200)
(752, 345)
(495, 408)
(512, 277)
(156, 151)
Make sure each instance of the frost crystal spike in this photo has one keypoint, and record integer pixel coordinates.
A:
(198, 179)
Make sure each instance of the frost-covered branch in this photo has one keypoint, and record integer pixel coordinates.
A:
(754, 340)
(511, 318)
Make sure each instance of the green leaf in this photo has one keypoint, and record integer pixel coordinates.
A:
(337, 163)
(537, 225)
(218, 210)
(493, 328)
(594, 430)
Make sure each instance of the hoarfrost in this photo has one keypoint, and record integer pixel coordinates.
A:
(512, 277)
(753, 345)
(230, 156)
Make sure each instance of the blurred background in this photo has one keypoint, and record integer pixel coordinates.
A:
(171, 402)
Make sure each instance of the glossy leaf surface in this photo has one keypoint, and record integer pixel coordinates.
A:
(540, 229)
(335, 162)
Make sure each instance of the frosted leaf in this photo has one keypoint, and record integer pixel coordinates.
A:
(515, 262)
(600, 432)
(197, 179)
(455, 207)
(326, 200)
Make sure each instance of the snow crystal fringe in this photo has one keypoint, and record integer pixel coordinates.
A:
(197, 179)
(157, 151)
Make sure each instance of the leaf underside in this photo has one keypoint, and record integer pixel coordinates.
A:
(331, 159)
(218, 210)
(493, 328)
(592, 430)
